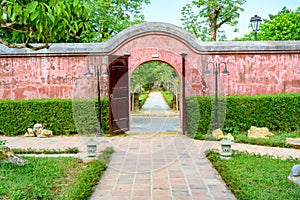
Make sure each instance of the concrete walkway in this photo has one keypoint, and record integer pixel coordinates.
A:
(154, 166)
(155, 116)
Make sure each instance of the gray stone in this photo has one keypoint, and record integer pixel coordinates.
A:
(295, 170)
(295, 174)
(8, 156)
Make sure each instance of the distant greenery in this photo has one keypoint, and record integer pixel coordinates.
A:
(256, 177)
(152, 74)
(52, 178)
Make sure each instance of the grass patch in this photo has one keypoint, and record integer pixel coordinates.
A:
(45, 151)
(256, 177)
(278, 140)
(52, 178)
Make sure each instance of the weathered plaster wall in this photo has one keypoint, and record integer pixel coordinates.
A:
(58, 72)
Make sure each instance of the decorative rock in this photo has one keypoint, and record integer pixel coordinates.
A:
(39, 131)
(229, 137)
(7, 155)
(29, 133)
(255, 132)
(295, 142)
(45, 133)
(295, 174)
(37, 128)
(218, 134)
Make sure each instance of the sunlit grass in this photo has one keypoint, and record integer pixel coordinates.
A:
(257, 177)
(51, 178)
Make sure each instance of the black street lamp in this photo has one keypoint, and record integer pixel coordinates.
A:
(255, 23)
(216, 73)
(98, 75)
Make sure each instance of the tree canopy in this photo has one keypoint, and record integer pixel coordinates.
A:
(285, 25)
(204, 18)
(23, 22)
(151, 73)
(109, 17)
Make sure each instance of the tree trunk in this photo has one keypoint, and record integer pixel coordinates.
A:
(214, 32)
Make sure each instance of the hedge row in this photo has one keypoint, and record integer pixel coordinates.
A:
(168, 96)
(278, 112)
(62, 116)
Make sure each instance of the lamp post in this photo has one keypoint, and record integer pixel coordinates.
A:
(184, 127)
(98, 74)
(255, 23)
(216, 73)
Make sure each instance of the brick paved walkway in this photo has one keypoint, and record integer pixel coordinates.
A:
(154, 166)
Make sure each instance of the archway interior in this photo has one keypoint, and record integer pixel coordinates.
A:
(154, 102)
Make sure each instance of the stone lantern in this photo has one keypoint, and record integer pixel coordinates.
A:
(226, 151)
(91, 147)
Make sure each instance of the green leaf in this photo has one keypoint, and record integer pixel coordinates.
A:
(34, 15)
(32, 6)
(76, 2)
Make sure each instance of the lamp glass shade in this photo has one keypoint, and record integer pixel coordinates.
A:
(207, 72)
(225, 72)
(255, 22)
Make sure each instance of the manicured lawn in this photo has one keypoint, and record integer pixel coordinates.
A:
(52, 178)
(257, 177)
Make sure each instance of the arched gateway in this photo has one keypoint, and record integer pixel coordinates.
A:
(59, 72)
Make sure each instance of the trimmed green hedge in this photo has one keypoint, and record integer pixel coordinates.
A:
(58, 115)
(143, 97)
(168, 96)
(278, 112)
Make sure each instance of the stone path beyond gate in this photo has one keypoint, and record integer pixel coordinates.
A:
(155, 116)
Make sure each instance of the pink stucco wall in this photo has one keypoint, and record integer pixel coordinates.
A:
(61, 75)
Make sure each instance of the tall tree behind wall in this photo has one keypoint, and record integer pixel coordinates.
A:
(109, 17)
(204, 18)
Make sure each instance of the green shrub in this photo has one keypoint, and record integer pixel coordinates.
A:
(55, 114)
(143, 97)
(278, 112)
(168, 96)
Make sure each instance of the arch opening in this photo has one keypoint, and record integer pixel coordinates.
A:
(154, 98)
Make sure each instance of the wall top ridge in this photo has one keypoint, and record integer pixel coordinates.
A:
(156, 28)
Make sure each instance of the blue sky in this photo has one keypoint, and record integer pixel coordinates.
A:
(169, 11)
